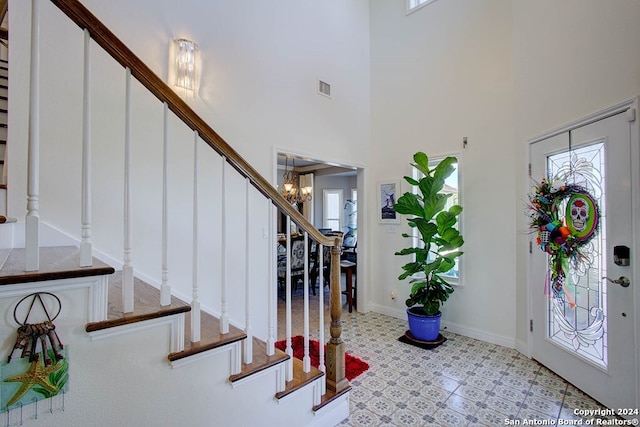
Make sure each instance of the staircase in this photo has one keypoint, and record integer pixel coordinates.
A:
(169, 319)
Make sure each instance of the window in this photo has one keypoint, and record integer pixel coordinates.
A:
(332, 209)
(351, 210)
(451, 186)
(413, 5)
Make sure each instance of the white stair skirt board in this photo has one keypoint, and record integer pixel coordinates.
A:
(234, 349)
(96, 286)
(279, 370)
(315, 386)
(175, 321)
(333, 413)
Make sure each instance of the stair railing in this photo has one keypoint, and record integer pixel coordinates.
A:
(135, 68)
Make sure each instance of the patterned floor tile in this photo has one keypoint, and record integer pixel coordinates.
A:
(461, 405)
(464, 382)
(363, 418)
(410, 382)
(530, 414)
(471, 393)
(510, 393)
(545, 392)
(480, 382)
(381, 406)
(490, 417)
(397, 394)
(548, 407)
(435, 393)
(449, 417)
(503, 405)
(406, 417)
(515, 382)
(445, 382)
(421, 405)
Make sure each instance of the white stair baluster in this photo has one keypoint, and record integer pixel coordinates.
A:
(321, 364)
(273, 281)
(127, 268)
(86, 259)
(165, 288)
(32, 220)
(306, 359)
(195, 303)
(248, 342)
(224, 316)
(287, 290)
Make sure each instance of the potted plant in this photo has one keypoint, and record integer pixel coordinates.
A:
(437, 249)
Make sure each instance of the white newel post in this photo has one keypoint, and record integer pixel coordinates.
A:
(195, 302)
(224, 316)
(32, 220)
(165, 288)
(306, 359)
(248, 342)
(86, 259)
(127, 268)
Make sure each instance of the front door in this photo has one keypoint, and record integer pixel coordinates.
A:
(583, 324)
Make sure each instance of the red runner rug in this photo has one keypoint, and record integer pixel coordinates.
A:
(353, 365)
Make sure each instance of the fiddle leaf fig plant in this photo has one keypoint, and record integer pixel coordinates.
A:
(439, 240)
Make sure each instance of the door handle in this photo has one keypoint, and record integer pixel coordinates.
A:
(622, 281)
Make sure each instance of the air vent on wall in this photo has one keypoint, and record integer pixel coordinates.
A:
(324, 88)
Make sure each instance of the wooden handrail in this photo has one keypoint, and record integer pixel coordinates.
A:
(79, 14)
(4, 4)
(4, 33)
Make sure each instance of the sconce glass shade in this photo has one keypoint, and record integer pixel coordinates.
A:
(185, 60)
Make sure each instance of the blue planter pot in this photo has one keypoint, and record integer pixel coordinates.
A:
(423, 327)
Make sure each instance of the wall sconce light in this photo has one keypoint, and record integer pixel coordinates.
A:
(185, 64)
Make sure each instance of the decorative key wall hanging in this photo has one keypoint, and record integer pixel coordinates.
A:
(37, 366)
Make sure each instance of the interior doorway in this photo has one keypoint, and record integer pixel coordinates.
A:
(327, 178)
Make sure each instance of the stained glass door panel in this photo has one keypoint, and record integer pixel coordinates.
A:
(577, 316)
(583, 326)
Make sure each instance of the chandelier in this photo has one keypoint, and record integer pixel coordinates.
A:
(290, 190)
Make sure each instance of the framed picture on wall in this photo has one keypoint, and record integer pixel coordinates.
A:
(388, 193)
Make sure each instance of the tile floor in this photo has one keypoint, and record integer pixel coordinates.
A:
(464, 382)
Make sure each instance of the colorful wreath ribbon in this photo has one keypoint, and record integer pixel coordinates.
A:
(562, 238)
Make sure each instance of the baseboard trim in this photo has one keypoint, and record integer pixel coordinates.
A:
(452, 327)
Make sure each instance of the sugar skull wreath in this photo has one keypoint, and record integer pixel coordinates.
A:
(565, 217)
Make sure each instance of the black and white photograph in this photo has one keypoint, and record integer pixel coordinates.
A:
(387, 196)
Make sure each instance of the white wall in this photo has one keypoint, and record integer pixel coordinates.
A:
(260, 64)
(438, 75)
